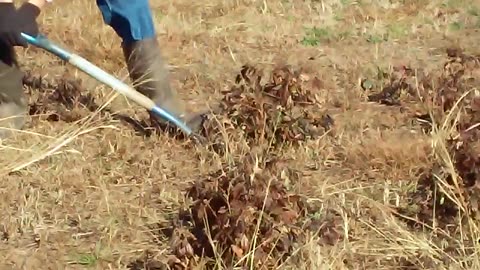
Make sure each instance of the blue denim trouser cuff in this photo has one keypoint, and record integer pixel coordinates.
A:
(131, 19)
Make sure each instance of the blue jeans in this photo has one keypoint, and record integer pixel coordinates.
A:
(131, 19)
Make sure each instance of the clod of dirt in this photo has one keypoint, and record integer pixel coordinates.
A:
(278, 111)
(237, 209)
(61, 100)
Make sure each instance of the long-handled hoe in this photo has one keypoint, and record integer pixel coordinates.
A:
(104, 77)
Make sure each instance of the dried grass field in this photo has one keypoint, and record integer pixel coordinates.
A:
(347, 137)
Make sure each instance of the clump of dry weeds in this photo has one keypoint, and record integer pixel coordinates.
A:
(271, 113)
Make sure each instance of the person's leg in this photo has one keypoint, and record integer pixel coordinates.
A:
(13, 106)
(133, 23)
(131, 20)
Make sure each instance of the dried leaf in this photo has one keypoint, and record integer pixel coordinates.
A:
(289, 216)
(237, 250)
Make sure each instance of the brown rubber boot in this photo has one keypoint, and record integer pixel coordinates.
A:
(13, 106)
(150, 77)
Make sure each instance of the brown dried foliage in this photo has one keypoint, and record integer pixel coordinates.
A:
(459, 75)
(274, 112)
(60, 100)
(236, 208)
(228, 207)
(437, 90)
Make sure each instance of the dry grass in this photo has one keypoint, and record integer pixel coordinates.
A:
(87, 190)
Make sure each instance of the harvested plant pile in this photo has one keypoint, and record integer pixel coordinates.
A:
(454, 104)
(61, 100)
(240, 209)
(251, 218)
(437, 90)
(272, 113)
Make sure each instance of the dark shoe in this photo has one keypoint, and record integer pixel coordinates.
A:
(13, 106)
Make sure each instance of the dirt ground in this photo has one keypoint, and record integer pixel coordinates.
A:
(348, 139)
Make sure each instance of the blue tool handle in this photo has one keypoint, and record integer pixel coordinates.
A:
(104, 77)
(43, 42)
